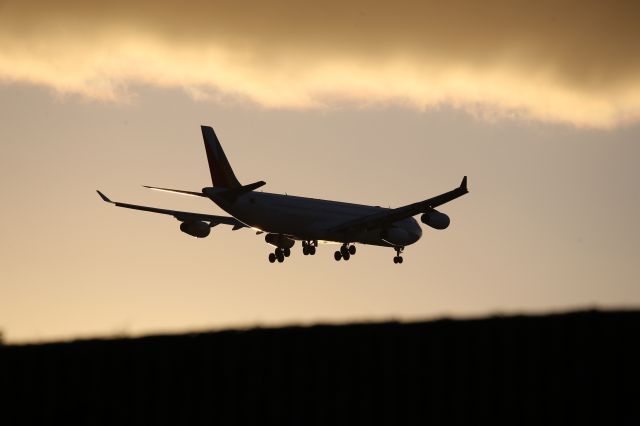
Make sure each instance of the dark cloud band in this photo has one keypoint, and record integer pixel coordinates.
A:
(572, 61)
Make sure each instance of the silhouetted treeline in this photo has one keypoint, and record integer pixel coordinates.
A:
(578, 368)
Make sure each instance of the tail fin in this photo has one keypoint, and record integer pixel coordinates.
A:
(221, 172)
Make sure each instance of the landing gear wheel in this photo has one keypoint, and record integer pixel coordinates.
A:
(286, 252)
(312, 250)
(352, 250)
(337, 255)
(272, 257)
(344, 250)
(280, 257)
(305, 250)
(398, 258)
(346, 256)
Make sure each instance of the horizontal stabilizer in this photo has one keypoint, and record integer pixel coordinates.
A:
(232, 193)
(246, 188)
(176, 191)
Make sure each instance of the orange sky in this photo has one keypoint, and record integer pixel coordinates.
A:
(386, 105)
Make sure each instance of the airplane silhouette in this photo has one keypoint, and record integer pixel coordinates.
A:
(286, 219)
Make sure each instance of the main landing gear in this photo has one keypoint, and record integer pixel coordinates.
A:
(345, 252)
(279, 254)
(398, 258)
(309, 247)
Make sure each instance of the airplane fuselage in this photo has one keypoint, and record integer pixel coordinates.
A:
(303, 218)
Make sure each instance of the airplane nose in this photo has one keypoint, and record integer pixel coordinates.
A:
(415, 232)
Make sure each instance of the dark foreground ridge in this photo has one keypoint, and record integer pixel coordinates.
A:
(576, 368)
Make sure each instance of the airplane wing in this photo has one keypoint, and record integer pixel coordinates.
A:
(180, 215)
(387, 217)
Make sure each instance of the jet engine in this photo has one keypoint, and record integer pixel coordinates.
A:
(279, 240)
(435, 219)
(196, 228)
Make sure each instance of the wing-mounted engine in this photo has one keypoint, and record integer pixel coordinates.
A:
(436, 219)
(196, 228)
(279, 241)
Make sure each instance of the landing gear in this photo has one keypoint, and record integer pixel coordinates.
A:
(397, 258)
(309, 247)
(345, 252)
(279, 255)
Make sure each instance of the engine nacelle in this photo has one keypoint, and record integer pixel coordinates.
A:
(279, 240)
(196, 228)
(435, 219)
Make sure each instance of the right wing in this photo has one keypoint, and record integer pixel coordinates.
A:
(180, 215)
(388, 216)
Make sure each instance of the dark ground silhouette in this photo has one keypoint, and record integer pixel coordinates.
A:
(577, 368)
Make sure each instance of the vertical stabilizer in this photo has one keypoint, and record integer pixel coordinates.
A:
(221, 172)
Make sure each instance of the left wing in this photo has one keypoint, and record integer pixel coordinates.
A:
(181, 216)
(387, 217)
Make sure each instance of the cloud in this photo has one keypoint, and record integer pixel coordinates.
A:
(561, 61)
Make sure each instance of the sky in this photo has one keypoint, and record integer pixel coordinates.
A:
(375, 103)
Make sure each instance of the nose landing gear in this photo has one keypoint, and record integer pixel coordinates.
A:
(397, 258)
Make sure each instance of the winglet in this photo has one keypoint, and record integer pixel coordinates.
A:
(463, 184)
(104, 197)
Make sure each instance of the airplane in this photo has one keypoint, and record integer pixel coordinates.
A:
(286, 219)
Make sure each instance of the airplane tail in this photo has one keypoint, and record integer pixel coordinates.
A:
(221, 172)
